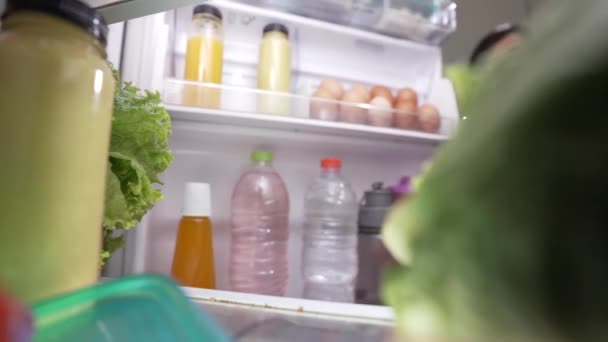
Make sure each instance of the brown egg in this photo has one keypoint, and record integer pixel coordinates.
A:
(383, 92)
(333, 87)
(429, 117)
(405, 115)
(381, 113)
(350, 110)
(362, 90)
(407, 94)
(323, 106)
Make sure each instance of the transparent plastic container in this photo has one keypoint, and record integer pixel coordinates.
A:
(259, 230)
(147, 308)
(329, 256)
(424, 21)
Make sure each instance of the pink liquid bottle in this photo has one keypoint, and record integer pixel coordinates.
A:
(259, 230)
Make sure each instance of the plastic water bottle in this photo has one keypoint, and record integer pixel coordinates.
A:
(330, 237)
(258, 247)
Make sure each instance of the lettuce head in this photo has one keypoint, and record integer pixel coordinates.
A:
(139, 152)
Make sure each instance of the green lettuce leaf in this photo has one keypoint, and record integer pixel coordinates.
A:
(129, 192)
(141, 128)
(139, 152)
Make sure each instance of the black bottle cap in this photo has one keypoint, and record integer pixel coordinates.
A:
(276, 27)
(207, 9)
(73, 11)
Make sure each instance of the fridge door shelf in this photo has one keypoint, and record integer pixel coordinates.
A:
(253, 108)
(424, 21)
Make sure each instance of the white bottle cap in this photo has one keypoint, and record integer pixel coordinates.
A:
(197, 200)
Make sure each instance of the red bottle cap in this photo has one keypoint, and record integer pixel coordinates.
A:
(331, 163)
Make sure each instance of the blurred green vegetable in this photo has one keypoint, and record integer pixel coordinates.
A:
(465, 82)
(139, 152)
(507, 237)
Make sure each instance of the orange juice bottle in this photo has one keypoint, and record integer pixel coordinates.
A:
(193, 256)
(204, 58)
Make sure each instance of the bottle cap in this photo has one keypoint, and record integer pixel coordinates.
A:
(331, 163)
(197, 200)
(261, 156)
(207, 9)
(73, 11)
(276, 27)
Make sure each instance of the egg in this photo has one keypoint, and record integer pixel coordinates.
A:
(362, 90)
(405, 115)
(333, 87)
(383, 92)
(429, 117)
(381, 113)
(350, 109)
(323, 106)
(407, 95)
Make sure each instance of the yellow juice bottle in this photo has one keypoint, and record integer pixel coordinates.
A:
(56, 99)
(274, 70)
(204, 58)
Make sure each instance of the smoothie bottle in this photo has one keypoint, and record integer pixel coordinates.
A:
(274, 70)
(56, 98)
(204, 58)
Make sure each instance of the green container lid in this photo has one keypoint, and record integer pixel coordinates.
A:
(261, 156)
(135, 309)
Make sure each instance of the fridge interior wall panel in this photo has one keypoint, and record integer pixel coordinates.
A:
(218, 155)
(114, 47)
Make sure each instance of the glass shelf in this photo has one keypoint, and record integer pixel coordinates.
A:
(250, 317)
(239, 106)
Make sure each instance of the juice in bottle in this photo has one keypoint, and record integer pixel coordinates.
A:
(56, 100)
(204, 58)
(274, 70)
(193, 257)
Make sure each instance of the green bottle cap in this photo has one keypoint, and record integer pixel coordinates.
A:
(261, 156)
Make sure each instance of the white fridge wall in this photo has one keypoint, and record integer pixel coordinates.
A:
(217, 153)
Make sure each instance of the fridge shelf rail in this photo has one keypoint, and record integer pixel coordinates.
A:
(245, 107)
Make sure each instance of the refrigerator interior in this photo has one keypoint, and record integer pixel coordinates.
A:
(213, 146)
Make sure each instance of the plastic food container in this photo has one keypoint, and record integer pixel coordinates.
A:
(148, 308)
(423, 21)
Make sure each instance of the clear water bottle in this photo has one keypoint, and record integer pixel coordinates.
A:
(258, 246)
(330, 237)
